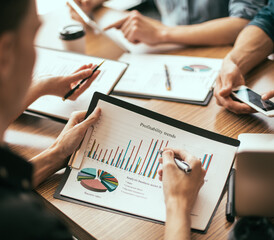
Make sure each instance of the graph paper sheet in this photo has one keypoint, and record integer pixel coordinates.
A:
(117, 163)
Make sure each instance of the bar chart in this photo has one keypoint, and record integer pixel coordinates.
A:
(136, 157)
(117, 164)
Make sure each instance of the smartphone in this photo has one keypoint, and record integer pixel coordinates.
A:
(254, 100)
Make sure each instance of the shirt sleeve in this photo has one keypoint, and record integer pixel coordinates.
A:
(265, 19)
(245, 8)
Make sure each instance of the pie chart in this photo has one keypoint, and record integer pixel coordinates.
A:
(196, 68)
(97, 180)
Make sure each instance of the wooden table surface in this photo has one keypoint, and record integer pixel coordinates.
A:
(29, 135)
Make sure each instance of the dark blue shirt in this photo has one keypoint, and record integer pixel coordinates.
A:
(265, 19)
(22, 215)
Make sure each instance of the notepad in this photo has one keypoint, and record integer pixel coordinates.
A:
(56, 63)
(192, 78)
(116, 167)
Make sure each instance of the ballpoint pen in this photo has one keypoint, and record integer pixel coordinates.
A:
(168, 84)
(229, 210)
(70, 92)
(181, 164)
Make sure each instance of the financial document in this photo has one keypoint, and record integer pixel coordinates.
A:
(58, 63)
(191, 77)
(118, 162)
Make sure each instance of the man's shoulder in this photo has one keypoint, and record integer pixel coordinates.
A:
(23, 216)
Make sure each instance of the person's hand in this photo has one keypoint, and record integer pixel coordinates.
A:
(56, 156)
(138, 28)
(268, 95)
(179, 186)
(61, 85)
(73, 133)
(230, 77)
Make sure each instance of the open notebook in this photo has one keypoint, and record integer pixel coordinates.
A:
(117, 163)
(56, 63)
(192, 78)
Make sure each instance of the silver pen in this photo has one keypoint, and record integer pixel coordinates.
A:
(181, 164)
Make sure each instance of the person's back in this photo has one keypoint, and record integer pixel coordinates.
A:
(23, 215)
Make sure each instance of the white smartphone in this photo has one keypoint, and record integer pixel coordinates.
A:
(254, 100)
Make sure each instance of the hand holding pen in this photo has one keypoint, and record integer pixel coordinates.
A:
(71, 91)
(178, 186)
(60, 85)
(184, 166)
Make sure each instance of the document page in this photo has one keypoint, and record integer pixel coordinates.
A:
(122, 5)
(191, 78)
(57, 63)
(117, 164)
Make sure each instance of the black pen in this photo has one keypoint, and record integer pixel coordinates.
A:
(70, 92)
(229, 210)
(181, 164)
(168, 84)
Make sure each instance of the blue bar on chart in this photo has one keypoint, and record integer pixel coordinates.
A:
(150, 157)
(125, 154)
(146, 156)
(118, 160)
(149, 174)
(206, 161)
(137, 165)
(136, 155)
(109, 156)
(129, 158)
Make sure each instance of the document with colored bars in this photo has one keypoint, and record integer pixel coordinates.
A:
(117, 164)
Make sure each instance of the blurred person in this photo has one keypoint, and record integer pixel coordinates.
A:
(196, 22)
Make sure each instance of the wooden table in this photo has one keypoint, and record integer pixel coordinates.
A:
(29, 135)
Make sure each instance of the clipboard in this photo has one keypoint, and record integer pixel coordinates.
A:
(201, 103)
(206, 137)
